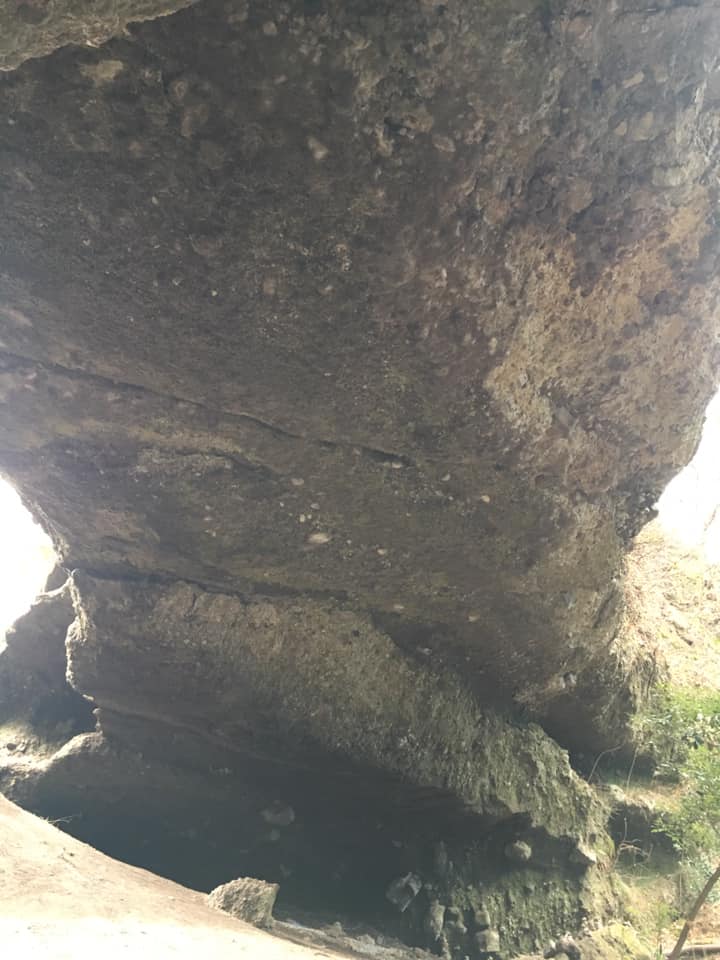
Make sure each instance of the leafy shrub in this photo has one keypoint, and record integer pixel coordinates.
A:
(681, 731)
(694, 825)
(675, 724)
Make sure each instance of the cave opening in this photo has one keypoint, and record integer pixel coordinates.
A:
(672, 588)
(689, 508)
(27, 558)
(39, 710)
(670, 636)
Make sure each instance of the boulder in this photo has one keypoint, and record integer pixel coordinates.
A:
(247, 899)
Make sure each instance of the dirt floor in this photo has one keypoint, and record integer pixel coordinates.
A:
(60, 900)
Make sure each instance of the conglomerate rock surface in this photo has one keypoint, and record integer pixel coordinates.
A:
(343, 350)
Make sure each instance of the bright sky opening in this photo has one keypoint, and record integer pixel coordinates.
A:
(26, 558)
(689, 508)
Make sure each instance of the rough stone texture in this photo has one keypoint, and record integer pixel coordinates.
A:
(61, 899)
(301, 682)
(33, 28)
(610, 942)
(410, 305)
(36, 700)
(202, 822)
(343, 349)
(247, 899)
(34, 648)
(277, 753)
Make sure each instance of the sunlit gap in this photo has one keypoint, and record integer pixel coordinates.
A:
(689, 509)
(26, 558)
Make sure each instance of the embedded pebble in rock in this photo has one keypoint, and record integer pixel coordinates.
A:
(279, 815)
(518, 851)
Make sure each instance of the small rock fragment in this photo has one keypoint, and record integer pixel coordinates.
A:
(488, 941)
(518, 851)
(317, 148)
(434, 921)
(443, 144)
(566, 944)
(456, 927)
(481, 917)
(247, 899)
(634, 80)
(278, 815)
(403, 891)
(319, 538)
(564, 949)
(584, 855)
(441, 859)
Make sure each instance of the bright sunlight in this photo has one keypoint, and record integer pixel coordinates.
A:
(26, 558)
(689, 508)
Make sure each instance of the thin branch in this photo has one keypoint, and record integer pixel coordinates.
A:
(599, 758)
(677, 951)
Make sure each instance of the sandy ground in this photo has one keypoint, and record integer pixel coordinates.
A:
(60, 900)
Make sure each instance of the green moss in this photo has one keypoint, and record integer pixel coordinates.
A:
(617, 941)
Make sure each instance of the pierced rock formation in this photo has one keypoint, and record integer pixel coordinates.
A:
(344, 349)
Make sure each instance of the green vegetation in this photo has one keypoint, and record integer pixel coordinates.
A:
(678, 734)
(675, 776)
(693, 826)
(669, 857)
(680, 730)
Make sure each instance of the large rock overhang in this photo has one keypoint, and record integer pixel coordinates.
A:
(408, 306)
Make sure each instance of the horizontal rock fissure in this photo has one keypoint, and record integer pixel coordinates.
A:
(381, 456)
(250, 590)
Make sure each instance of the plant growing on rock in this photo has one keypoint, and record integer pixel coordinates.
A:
(694, 824)
(675, 723)
(686, 734)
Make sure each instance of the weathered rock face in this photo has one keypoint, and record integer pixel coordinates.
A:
(311, 681)
(32, 28)
(36, 701)
(343, 350)
(279, 752)
(409, 306)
